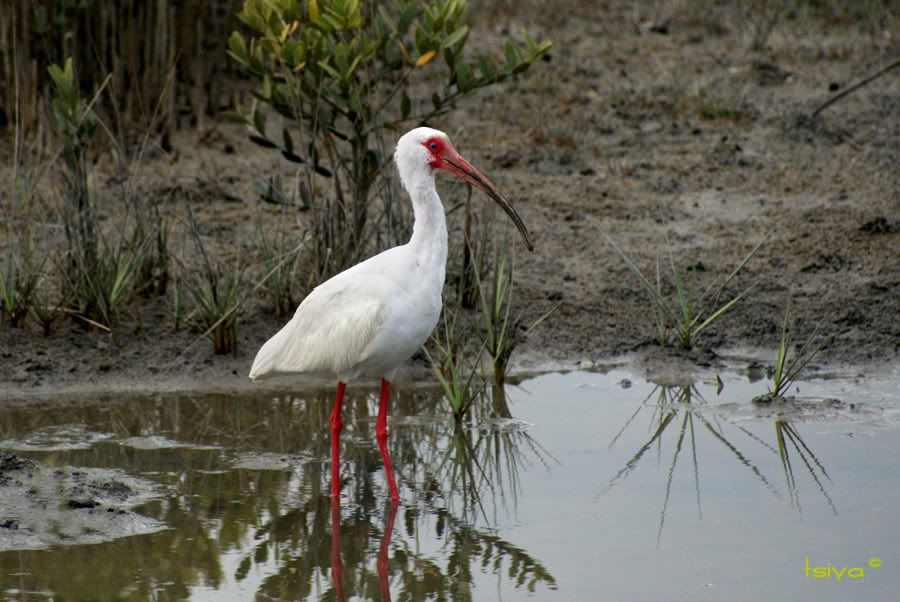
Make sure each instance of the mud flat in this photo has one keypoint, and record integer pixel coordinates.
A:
(45, 506)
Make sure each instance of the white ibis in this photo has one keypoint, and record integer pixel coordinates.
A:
(369, 319)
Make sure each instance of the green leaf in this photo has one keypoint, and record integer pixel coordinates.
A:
(341, 53)
(259, 122)
(292, 157)
(463, 77)
(329, 69)
(332, 21)
(58, 77)
(542, 48)
(512, 58)
(406, 18)
(299, 55)
(349, 71)
(256, 60)
(420, 41)
(487, 73)
(312, 11)
(237, 46)
(529, 41)
(354, 19)
(264, 142)
(233, 116)
(455, 37)
(386, 18)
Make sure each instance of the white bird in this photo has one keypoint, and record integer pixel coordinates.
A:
(369, 319)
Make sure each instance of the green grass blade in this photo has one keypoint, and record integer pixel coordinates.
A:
(803, 356)
(782, 353)
(655, 296)
(738, 269)
(716, 314)
(684, 301)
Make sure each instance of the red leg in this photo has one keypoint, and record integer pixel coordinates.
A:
(381, 434)
(337, 565)
(336, 426)
(382, 561)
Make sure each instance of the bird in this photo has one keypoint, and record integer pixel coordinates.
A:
(368, 320)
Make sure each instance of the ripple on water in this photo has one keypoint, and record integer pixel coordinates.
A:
(161, 442)
(269, 461)
(63, 437)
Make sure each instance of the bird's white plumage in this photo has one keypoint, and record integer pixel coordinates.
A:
(371, 318)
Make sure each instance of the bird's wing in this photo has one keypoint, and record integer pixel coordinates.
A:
(330, 330)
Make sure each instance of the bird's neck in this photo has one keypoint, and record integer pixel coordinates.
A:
(429, 237)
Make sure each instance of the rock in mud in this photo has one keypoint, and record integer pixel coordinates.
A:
(42, 507)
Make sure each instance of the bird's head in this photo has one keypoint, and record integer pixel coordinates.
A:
(422, 151)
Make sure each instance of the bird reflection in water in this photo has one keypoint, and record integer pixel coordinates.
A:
(337, 564)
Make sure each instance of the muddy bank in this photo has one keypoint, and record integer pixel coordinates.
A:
(675, 137)
(44, 506)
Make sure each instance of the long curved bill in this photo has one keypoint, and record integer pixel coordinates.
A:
(458, 166)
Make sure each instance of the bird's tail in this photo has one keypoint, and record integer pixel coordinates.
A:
(266, 358)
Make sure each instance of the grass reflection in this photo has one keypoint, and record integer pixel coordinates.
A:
(682, 411)
(269, 529)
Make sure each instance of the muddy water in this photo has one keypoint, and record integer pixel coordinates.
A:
(602, 487)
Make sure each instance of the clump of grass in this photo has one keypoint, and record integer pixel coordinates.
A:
(683, 321)
(45, 312)
(20, 278)
(455, 367)
(98, 275)
(471, 357)
(500, 332)
(214, 290)
(280, 263)
(153, 272)
(101, 284)
(788, 369)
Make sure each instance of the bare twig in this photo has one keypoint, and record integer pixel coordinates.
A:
(855, 87)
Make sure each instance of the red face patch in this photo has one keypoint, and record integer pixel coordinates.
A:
(435, 146)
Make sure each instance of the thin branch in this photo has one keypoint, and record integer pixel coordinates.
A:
(855, 87)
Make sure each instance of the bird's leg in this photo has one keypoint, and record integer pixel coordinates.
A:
(337, 565)
(336, 426)
(381, 434)
(382, 560)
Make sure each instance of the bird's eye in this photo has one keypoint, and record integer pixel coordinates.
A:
(433, 146)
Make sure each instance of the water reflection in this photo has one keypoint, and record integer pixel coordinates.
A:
(245, 492)
(685, 407)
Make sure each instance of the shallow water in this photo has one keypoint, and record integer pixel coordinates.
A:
(603, 486)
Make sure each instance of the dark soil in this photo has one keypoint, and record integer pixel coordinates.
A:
(658, 127)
